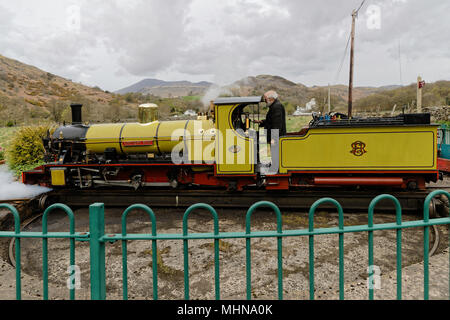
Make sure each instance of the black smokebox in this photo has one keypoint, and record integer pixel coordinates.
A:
(76, 113)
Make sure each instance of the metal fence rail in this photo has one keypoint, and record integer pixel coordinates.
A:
(44, 235)
(97, 240)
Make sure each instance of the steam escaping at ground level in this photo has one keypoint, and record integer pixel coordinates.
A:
(10, 189)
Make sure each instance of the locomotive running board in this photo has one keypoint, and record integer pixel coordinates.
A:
(293, 200)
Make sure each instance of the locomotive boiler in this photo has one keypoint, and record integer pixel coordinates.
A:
(224, 148)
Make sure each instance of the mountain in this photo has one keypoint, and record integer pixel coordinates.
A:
(390, 87)
(298, 94)
(38, 87)
(29, 95)
(254, 86)
(167, 89)
(289, 91)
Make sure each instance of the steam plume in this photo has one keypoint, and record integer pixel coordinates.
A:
(11, 189)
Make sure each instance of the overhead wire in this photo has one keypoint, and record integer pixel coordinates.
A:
(343, 60)
(346, 47)
(362, 3)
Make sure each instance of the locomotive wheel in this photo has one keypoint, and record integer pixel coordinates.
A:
(443, 206)
(432, 209)
(435, 239)
(12, 258)
(412, 186)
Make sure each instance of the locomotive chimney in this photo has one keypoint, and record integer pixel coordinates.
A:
(76, 113)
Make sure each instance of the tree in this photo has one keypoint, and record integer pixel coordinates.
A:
(114, 110)
(321, 96)
(56, 109)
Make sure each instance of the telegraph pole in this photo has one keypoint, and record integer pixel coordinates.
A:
(420, 85)
(329, 99)
(352, 55)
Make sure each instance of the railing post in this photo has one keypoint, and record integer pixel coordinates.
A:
(186, 248)
(97, 251)
(124, 249)
(398, 214)
(16, 215)
(312, 211)
(248, 250)
(426, 241)
(71, 216)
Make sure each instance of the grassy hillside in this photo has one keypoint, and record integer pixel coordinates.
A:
(29, 95)
(434, 94)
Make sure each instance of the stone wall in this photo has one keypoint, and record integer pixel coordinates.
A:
(438, 113)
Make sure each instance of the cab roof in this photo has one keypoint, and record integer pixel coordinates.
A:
(238, 100)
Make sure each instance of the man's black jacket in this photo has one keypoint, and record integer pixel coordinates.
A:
(275, 119)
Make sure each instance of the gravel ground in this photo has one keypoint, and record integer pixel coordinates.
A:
(232, 259)
(412, 282)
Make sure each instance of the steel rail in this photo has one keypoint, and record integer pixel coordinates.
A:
(296, 200)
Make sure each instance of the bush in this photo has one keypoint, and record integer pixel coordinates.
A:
(26, 150)
(2, 154)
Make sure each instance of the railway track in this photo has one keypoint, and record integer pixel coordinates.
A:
(297, 200)
(14, 201)
(411, 202)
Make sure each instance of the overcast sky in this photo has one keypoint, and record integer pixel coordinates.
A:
(114, 43)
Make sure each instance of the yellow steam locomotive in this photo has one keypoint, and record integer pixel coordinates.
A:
(224, 149)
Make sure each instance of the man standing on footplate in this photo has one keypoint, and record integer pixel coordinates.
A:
(275, 125)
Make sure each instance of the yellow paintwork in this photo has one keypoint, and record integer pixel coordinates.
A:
(200, 141)
(99, 137)
(234, 152)
(140, 132)
(386, 149)
(158, 137)
(58, 177)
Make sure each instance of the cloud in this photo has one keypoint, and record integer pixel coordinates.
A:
(6, 20)
(147, 36)
(223, 41)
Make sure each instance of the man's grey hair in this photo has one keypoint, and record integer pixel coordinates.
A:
(271, 95)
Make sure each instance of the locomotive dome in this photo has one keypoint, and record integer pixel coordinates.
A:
(147, 113)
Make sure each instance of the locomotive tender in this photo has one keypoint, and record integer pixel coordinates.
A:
(222, 150)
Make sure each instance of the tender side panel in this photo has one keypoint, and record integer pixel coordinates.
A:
(387, 148)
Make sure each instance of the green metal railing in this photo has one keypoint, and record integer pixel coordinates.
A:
(97, 240)
(44, 235)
